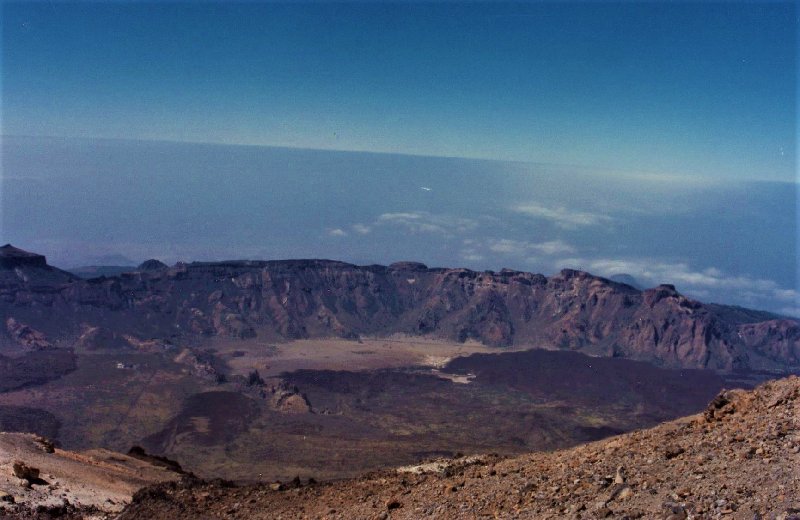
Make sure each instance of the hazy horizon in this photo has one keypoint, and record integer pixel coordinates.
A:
(653, 139)
(83, 202)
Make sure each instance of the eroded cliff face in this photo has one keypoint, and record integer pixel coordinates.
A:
(317, 298)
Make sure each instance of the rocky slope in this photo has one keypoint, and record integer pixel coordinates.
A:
(318, 298)
(38, 480)
(740, 459)
(28, 273)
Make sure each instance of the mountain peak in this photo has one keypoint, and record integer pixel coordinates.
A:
(12, 257)
(569, 274)
(152, 265)
(408, 266)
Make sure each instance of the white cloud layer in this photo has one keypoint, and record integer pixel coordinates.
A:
(561, 216)
(475, 250)
(423, 222)
(697, 283)
(361, 229)
(518, 247)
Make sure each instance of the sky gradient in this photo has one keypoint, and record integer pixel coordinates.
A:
(667, 88)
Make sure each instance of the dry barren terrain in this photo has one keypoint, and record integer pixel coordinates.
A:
(38, 479)
(740, 459)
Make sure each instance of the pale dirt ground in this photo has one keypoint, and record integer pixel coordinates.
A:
(99, 478)
(271, 359)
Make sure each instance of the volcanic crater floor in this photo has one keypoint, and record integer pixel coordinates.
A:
(739, 459)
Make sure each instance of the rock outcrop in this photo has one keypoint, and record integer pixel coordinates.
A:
(40, 481)
(12, 258)
(25, 336)
(95, 338)
(320, 298)
(152, 265)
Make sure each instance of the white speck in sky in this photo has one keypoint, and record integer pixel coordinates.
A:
(425, 188)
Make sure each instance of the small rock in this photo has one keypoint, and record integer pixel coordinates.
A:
(702, 459)
(674, 512)
(624, 493)
(25, 472)
(673, 451)
(46, 445)
(393, 504)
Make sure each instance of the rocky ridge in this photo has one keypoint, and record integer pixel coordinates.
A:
(740, 459)
(12, 257)
(39, 480)
(295, 299)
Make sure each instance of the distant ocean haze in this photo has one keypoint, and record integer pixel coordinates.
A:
(79, 200)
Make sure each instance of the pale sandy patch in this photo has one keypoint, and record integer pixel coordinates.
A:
(271, 358)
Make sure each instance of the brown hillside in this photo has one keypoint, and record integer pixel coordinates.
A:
(739, 460)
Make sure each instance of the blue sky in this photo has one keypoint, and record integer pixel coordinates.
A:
(667, 88)
(655, 139)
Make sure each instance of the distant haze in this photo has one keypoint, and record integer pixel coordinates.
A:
(680, 119)
(82, 201)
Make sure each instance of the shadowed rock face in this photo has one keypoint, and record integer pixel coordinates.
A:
(21, 268)
(289, 299)
(11, 257)
(152, 265)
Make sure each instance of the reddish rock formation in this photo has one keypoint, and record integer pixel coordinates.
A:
(316, 298)
(25, 336)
